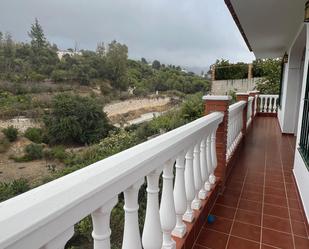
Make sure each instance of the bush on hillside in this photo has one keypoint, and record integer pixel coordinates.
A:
(34, 134)
(33, 152)
(11, 133)
(76, 119)
(13, 188)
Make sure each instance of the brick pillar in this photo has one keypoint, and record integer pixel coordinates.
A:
(244, 97)
(219, 104)
(254, 103)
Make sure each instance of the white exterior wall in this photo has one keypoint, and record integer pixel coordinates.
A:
(291, 88)
(300, 170)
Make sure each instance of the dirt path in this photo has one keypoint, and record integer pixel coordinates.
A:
(126, 106)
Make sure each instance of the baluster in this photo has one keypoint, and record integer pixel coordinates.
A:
(275, 104)
(261, 104)
(266, 104)
(101, 229)
(196, 204)
(131, 235)
(60, 241)
(203, 167)
(152, 234)
(180, 196)
(167, 208)
(212, 178)
(209, 162)
(189, 185)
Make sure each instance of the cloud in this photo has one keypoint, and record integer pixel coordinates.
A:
(181, 32)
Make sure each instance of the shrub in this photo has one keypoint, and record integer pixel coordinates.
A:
(57, 152)
(10, 133)
(34, 134)
(4, 144)
(76, 119)
(11, 189)
(33, 151)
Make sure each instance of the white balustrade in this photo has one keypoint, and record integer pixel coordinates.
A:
(235, 123)
(167, 208)
(196, 204)
(212, 177)
(268, 103)
(189, 185)
(208, 185)
(204, 169)
(131, 235)
(180, 196)
(249, 111)
(45, 216)
(61, 240)
(100, 220)
(152, 234)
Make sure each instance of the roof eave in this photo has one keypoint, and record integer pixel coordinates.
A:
(236, 20)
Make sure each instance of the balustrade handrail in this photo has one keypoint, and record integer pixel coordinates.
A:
(235, 122)
(31, 219)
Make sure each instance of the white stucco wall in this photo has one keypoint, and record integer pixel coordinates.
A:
(301, 172)
(292, 84)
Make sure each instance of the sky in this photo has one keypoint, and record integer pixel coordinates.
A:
(189, 33)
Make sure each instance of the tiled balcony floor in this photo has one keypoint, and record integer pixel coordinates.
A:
(259, 209)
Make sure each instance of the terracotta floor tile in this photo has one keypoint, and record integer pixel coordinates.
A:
(268, 247)
(296, 215)
(248, 217)
(199, 247)
(212, 239)
(299, 228)
(246, 231)
(293, 203)
(274, 200)
(277, 211)
(279, 192)
(223, 211)
(251, 196)
(253, 188)
(250, 205)
(238, 243)
(221, 225)
(227, 200)
(301, 243)
(276, 223)
(278, 239)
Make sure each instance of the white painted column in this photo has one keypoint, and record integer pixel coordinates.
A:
(152, 234)
(167, 208)
(131, 234)
(180, 196)
(189, 184)
(60, 241)
(196, 204)
(212, 178)
(209, 162)
(101, 225)
(204, 170)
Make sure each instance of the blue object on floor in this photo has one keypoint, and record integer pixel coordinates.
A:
(211, 219)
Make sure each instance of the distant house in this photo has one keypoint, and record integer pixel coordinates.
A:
(61, 53)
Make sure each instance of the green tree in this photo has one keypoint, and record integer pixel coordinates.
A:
(269, 70)
(156, 64)
(116, 59)
(76, 119)
(38, 39)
